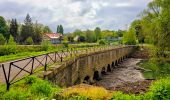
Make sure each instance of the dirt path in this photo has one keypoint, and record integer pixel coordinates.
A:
(124, 73)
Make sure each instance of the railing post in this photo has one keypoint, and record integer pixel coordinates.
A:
(45, 67)
(32, 65)
(6, 79)
(55, 59)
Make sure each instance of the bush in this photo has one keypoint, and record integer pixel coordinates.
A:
(2, 39)
(46, 45)
(102, 42)
(42, 88)
(8, 49)
(29, 41)
(161, 89)
(31, 79)
(65, 44)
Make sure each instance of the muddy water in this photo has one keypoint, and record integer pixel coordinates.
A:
(125, 72)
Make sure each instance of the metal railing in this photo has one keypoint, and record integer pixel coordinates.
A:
(17, 70)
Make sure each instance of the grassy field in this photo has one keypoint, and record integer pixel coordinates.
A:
(29, 51)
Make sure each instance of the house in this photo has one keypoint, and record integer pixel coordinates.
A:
(54, 38)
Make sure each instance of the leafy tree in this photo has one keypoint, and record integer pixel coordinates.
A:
(129, 37)
(37, 36)
(60, 29)
(4, 28)
(47, 30)
(2, 39)
(97, 32)
(14, 29)
(155, 25)
(27, 29)
(90, 36)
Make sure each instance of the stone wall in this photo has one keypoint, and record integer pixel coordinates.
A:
(87, 67)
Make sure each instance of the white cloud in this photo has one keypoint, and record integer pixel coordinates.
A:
(73, 14)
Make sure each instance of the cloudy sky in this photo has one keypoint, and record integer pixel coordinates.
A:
(75, 14)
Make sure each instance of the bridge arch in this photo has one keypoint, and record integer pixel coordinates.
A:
(109, 68)
(96, 76)
(103, 72)
(86, 79)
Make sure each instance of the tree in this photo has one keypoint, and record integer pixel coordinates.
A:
(14, 29)
(4, 28)
(2, 39)
(90, 36)
(47, 30)
(155, 25)
(129, 37)
(37, 36)
(60, 29)
(97, 32)
(27, 29)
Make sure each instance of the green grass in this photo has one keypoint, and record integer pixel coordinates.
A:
(31, 88)
(156, 71)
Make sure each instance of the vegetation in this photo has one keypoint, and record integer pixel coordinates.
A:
(30, 88)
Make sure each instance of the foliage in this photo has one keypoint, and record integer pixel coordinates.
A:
(27, 29)
(46, 29)
(157, 70)
(129, 37)
(29, 41)
(121, 96)
(97, 32)
(37, 36)
(4, 28)
(102, 42)
(60, 29)
(46, 45)
(41, 88)
(14, 30)
(2, 39)
(32, 88)
(155, 25)
(65, 44)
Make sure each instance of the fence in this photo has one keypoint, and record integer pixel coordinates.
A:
(14, 71)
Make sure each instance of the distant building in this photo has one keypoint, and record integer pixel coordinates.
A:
(54, 38)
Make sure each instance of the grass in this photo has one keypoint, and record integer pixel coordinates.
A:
(31, 88)
(155, 71)
(86, 92)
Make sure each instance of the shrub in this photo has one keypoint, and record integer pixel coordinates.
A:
(2, 39)
(46, 45)
(42, 88)
(161, 89)
(8, 49)
(31, 79)
(29, 41)
(102, 42)
(65, 44)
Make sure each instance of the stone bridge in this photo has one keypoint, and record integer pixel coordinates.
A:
(87, 67)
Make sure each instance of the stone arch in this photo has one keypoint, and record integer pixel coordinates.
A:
(103, 72)
(96, 76)
(109, 68)
(116, 62)
(113, 64)
(86, 79)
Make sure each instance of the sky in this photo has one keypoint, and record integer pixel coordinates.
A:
(75, 14)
